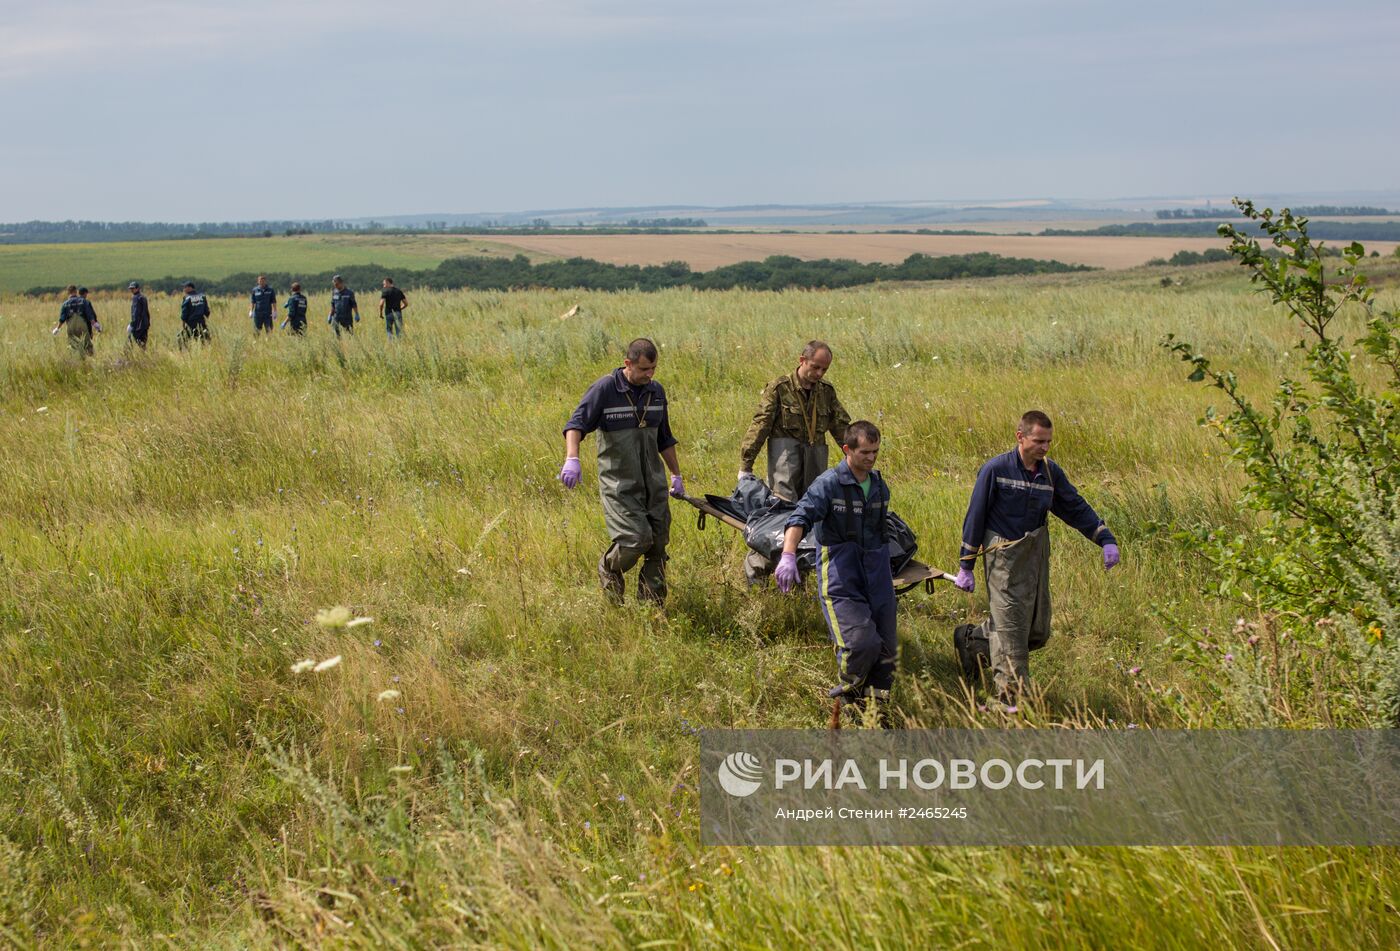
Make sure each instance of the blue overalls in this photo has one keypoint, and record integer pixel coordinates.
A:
(343, 309)
(854, 584)
(140, 325)
(296, 311)
(264, 301)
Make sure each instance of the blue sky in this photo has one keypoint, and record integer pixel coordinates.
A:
(154, 109)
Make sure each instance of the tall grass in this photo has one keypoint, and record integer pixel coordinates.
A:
(171, 521)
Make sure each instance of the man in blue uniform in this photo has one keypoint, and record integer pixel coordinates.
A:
(628, 410)
(296, 310)
(194, 316)
(345, 312)
(78, 316)
(848, 505)
(1006, 525)
(264, 300)
(140, 325)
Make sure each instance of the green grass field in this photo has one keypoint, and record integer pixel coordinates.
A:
(23, 266)
(171, 523)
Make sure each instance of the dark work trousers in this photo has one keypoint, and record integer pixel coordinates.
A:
(196, 329)
(636, 507)
(80, 336)
(856, 592)
(1018, 592)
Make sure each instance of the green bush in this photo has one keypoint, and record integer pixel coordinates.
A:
(1319, 560)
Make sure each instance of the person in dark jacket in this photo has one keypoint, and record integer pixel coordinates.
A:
(848, 506)
(194, 316)
(628, 410)
(345, 312)
(140, 326)
(392, 303)
(1013, 497)
(296, 310)
(264, 305)
(78, 316)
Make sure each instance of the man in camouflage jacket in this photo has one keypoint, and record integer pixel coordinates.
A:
(794, 416)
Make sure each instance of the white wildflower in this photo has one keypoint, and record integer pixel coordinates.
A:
(326, 664)
(302, 666)
(400, 769)
(356, 622)
(333, 617)
(388, 695)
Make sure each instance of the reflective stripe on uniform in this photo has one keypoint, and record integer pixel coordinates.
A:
(1023, 484)
(829, 607)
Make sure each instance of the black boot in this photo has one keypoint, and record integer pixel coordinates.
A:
(970, 659)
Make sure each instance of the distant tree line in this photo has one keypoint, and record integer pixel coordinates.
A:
(69, 232)
(665, 222)
(775, 273)
(1326, 230)
(1183, 258)
(1216, 255)
(1356, 211)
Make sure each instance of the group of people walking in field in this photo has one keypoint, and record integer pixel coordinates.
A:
(78, 317)
(848, 507)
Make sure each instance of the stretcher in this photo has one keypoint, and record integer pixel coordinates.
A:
(913, 574)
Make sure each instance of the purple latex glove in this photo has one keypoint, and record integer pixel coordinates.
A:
(965, 581)
(1110, 556)
(572, 473)
(787, 572)
(677, 486)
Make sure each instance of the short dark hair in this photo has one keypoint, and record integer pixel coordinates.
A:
(388, 280)
(861, 429)
(641, 347)
(82, 290)
(1032, 418)
(813, 348)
